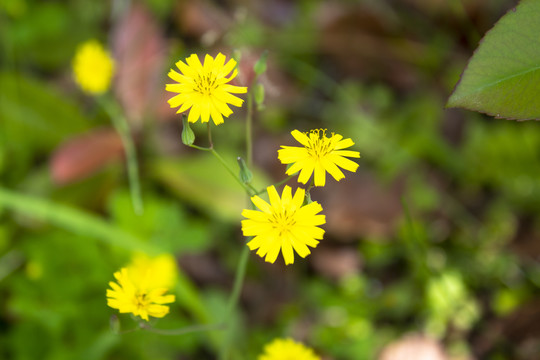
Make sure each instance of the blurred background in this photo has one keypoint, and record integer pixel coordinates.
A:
(431, 249)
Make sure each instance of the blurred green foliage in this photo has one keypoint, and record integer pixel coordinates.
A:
(450, 266)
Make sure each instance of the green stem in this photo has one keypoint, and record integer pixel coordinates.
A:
(249, 126)
(238, 281)
(230, 171)
(210, 143)
(244, 256)
(233, 298)
(120, 124)
(200, 147)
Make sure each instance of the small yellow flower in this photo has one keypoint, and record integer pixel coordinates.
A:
(142, 286)
(205, 88)
(93, 68)
(318, 155)
(287, 349)
(284, 224)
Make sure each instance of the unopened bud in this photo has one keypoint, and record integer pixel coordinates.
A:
(245, 174)
(260, 65)
(188, 137)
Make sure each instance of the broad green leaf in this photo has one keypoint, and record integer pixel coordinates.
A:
(202, 181)
(503, 76)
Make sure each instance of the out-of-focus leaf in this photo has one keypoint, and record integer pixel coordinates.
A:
(83, 155)
(202, 181)
(139, 51)
(503, 76)
(34, 116)
(71, 219)
(163, 223)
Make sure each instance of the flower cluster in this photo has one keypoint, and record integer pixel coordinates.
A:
(141, 286)
(93, 68)
(285, 223)
(285, 349)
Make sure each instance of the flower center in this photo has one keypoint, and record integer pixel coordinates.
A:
(319, 144)
(205, 84)
(141, 302)
(283, 221)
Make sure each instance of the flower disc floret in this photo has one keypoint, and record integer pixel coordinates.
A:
(204, 90)
(283, 224)
(93, 68)
(287, 349)
(140, 288)
(319, 154)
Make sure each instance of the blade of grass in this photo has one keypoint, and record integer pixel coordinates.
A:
(71, 219)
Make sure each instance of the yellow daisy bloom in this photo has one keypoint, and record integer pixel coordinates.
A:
(205, 88)
(284, 224)
(287, 349)
(93, 68)
(142, 286)
(318, 155)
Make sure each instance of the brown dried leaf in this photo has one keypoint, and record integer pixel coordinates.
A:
(139, 50)
(335, 264)
(359, 206)
(202, 19)
(84, 155)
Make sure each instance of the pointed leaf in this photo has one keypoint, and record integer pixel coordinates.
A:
(503, 76)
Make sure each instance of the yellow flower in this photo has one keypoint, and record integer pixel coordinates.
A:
(319, 154)
(205, 88)
(93, 68)
(287, 349)
(284, 224)
(142, 286)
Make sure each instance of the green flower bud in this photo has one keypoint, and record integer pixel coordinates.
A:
(245, 174)
(260, 65)
(188, 137)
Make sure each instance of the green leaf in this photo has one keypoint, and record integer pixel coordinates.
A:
(204, 183)
(503, 76)
(35, 115)
(72, 219)
(164, 223)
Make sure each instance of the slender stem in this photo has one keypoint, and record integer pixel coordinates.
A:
(121, 125)
(235, 296)
(238, 281)
(230, 171)
(244, 256)
(200, 147)
(249, 126)
(210, 143)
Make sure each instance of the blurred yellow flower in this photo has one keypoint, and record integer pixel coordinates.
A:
(287, 349)
(318, 155)
(284, 224)
(205, 88)
(142, 286)
(93, 67)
